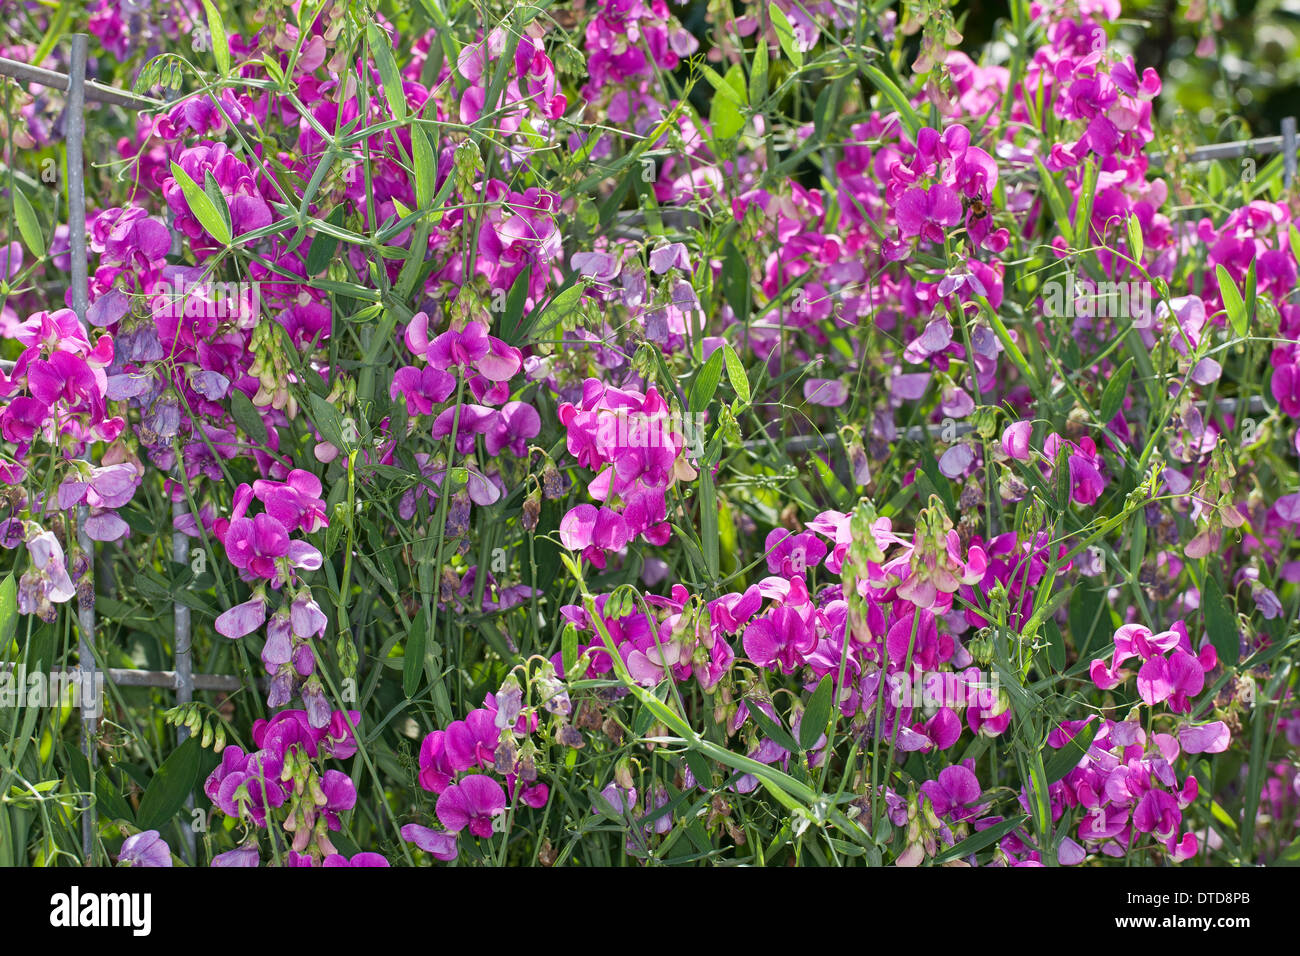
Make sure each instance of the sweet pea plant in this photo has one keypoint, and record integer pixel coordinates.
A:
(632, 432)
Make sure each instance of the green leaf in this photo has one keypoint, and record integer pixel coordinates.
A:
(569, 647)
(1220, 622)
(321, 252)
(770, 728)
(170, 786)
(247, 417)
(327, 420)
(29, 226)
(978, 841)
(417, 643)
(220, 45)
(381, 48)
(736, 373)
(735, 282)
(699, 767)
(706, 383)
(213, 192)
(816, 716)
(758, 73)
(725, 115)
(8, 613)
(544, 322)
(1087, 618)
(896, 98)
(1290, 856)
(1232, 302)
(426, 168)
(1062, 473)
(1250, 293)
(112, 804)
(1135, 241)
(1112, 396)
(709, 521)
(785, 35)
(1068, 757)
(201, 205)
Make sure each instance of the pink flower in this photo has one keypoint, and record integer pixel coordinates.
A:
(472, 803)
(1015, 440)
(926, 213)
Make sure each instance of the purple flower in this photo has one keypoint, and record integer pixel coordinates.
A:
(243, 619)
(828, 392)
(926, 213)
(145, 849)
(471, 803)
(954, 793)
(670, 256)
(442, 846)
(358, 859)
(240, 856)
(1211, 738)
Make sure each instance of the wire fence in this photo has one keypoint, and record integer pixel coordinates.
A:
(182, 680)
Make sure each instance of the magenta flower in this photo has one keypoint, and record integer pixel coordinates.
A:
(440, 845)
(295, 503)
(358, 859)
(781, 638)
(955, 793)
(472, 803)
(1015, 440)
(927, 213)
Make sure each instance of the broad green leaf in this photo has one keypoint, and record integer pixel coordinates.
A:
(758, 73)
(706, 383)
(736, 373)
(978, 841)
(201, 206)
(1232, 302)
(896, 98)
(725, 115)
(220, 45)
(1220, 622)
(785, 35)
(29, 226)
(8, 612)
(817, 715)
(381, 48)
(247, 417)
(1112, 396)
(1087, 618)
(770, 728)
(426, 168)
(1135, 241)
(1068, 757)
(170, 786)
(565, 302)
(417, 643)
(213, 191)
(329, 422)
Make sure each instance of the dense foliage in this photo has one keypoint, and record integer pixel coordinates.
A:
(614, 431)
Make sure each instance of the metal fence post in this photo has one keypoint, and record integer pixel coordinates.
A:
(75, 132)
